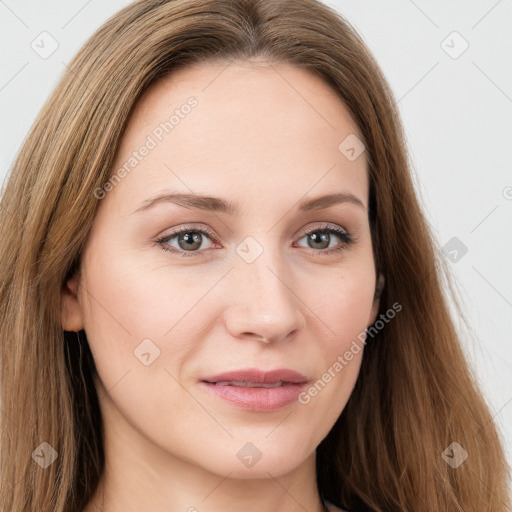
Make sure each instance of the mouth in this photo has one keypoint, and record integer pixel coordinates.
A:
(257, 390)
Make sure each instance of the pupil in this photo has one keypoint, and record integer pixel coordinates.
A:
(320, 238)
(190, 240)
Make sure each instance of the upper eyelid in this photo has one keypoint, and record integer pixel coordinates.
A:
(325, 225)
(186, 228)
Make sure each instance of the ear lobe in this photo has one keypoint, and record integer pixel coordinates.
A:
(376, 298)
(71, 312)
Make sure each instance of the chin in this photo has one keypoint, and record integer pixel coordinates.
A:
(256, 459)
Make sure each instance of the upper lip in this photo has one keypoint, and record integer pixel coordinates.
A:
(257, 375)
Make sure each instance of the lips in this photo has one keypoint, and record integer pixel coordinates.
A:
(249, 384)
(257, 390)
(254, 377)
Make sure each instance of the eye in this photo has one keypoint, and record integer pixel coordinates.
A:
(187, 238)
(320, 239)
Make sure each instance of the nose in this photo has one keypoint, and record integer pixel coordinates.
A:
(261, 303)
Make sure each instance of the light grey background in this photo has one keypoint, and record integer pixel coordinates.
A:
(457, 111)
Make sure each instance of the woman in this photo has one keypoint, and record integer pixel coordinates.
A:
(218, 288)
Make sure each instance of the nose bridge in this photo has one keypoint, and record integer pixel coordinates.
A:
(263, 302)
(264, 277)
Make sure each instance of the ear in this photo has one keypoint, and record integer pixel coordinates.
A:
(71, 312)
(376, 299)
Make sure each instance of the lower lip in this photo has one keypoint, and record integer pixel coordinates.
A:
(257, 399)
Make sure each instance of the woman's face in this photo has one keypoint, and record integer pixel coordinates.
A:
(262, 288)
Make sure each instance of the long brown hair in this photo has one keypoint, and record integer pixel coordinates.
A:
(415, 394)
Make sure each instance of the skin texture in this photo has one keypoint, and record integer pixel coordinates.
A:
(263, 136)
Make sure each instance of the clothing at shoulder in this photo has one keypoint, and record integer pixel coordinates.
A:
(334, 508)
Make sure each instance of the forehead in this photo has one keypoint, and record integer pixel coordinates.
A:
(246, 92)
(253, 126)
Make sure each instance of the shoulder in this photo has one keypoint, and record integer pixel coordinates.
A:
(332, 507)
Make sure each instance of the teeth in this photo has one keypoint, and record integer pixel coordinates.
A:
(250, 384)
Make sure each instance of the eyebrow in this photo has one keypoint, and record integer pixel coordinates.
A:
(216, 204)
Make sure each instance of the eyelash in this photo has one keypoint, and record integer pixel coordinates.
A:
(345, 237)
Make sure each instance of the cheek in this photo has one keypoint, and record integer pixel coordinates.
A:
(124, 317)
(345, 310)
(345, 304)
(128, 310)
(137, 312)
